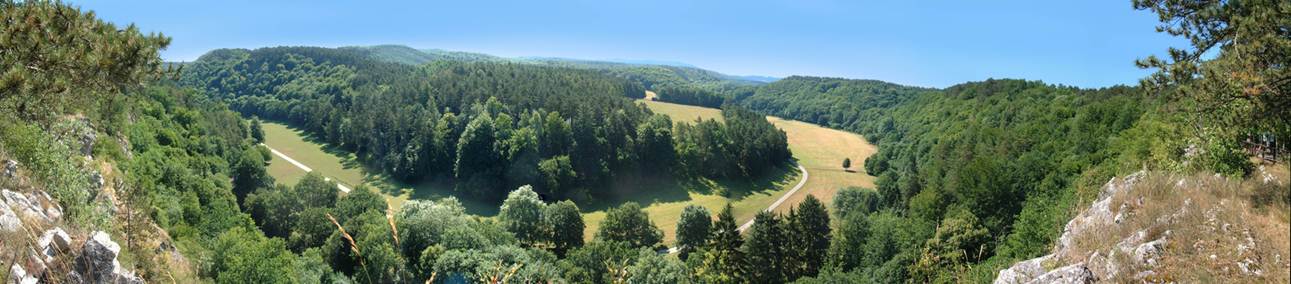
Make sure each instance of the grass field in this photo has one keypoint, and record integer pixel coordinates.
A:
(819, 149)
(342, 167)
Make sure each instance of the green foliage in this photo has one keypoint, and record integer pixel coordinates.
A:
(693, 229)
(721, 260)
(521, 214)
(807, 227)
(655, 268)
(485, 125)
(766, 250)
(564, 226)
(249, 173)
(246, 256)
(855, 200)
(51, 162)
(959, 240)
(599, 262)
(630, 225)
(257, 131)
(1233, 80)
(57, 59)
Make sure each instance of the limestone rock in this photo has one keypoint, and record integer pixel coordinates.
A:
(9, 221)
(53, 242)
(18, 275)
(10, 168)
(87, 143)
(1148, 253)
(1075, 273)
(98, 262)
(32, 206)
(1023, 272)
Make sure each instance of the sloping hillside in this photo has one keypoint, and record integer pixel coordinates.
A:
(1166, 228)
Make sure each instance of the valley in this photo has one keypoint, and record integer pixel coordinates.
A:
(818, 149)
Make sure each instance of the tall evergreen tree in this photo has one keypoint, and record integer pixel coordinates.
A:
(765, 254)
(808, 229)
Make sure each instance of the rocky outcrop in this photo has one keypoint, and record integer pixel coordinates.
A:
(17, 208)
(98, 263)
(1098, 215)
(10, 169)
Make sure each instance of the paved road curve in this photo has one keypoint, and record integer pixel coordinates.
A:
(773, 205)
(784, 197)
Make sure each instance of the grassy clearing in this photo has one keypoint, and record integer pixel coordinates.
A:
(818, 149)
(341, 166)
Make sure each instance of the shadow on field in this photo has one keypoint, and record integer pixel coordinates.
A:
(647, 190)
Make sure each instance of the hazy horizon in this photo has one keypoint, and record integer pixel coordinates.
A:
(1079, 44)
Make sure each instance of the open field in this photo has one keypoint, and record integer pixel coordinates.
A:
(342, 167)
(819, 149)
(680, 112)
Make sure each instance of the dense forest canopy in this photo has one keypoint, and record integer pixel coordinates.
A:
(487, 126)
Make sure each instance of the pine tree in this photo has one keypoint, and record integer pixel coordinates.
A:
(808, 229)
(765, 251)
(720, 261)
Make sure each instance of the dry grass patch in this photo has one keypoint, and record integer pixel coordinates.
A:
(1212, 232)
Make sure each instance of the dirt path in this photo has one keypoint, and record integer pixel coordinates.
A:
(303, 167)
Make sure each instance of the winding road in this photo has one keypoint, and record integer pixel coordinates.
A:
(773, 205)
(784, 197)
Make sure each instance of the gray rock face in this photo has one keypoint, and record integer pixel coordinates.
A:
(9, 221)
(1148, 253)
(35, 206)
(97, 181)
(54, 242)
(18, 275)
(1023, 272)
(1075, 273)
(1098, 215)
(10, 168)
(98, 262)
(87, 143)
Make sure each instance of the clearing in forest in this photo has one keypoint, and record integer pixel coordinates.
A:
(341, 166)
(818, 149)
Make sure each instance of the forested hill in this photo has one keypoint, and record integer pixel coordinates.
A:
(486, 126)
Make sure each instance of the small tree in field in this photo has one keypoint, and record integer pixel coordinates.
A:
(847, 164)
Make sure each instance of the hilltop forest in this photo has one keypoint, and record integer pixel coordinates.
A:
(166, 159)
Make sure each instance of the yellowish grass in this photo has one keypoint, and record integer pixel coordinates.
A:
(1210, 224)
(818, 149)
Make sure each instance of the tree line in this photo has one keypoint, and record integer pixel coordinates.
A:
(486, 126)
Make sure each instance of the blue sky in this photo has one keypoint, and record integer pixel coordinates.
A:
(925, 43)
